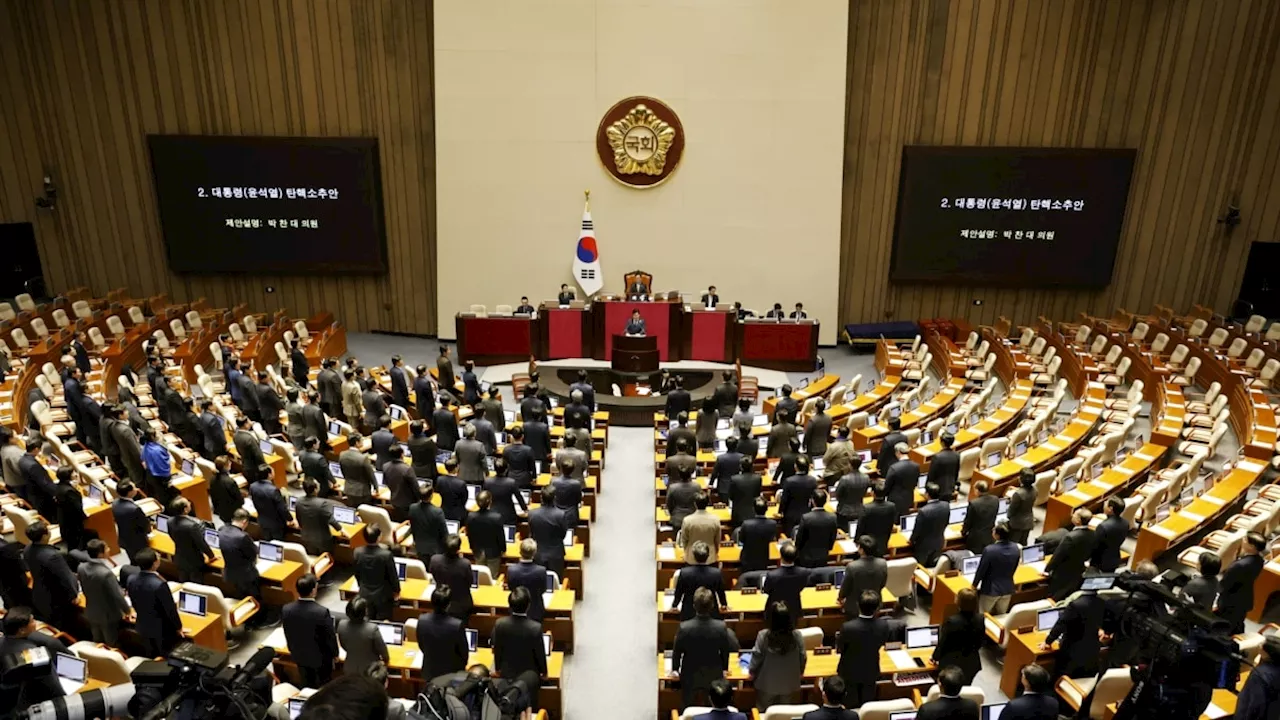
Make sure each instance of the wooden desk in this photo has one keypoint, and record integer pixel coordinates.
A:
(207, 631)
(279, 581)
(100, 519)
(868, 438)
(1023, 649)
(1267, 584)
(1226, 497)
(1029, 584)
(994, 425)
(820, 387)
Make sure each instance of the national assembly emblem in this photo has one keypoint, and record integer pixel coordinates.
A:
(640, 141)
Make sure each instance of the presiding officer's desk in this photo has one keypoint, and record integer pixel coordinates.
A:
(817, 666)
(490, 603)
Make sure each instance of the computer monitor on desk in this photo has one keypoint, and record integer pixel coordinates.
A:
(392, 633)
(958, 514)
(270, 552)
(193, 604)
(344, 515)
(1047, 618)
(908, 523)
(993, 711)
(211, 539)
(1032, 553)
(922, 636)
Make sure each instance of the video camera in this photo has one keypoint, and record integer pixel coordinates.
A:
(195, 683)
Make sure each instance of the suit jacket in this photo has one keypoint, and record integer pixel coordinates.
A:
(484, 532)
(225, 495)
(517, 646)
(1202, 591)
(250, 452)
(816, 433)
(273, 511)
(588, 394)
(444, 372)
(815, 537)
(579, 459)
(959, 641)
(1021, 504)
(309, 633)
(577, 415)
(830, 713)
(682, 465)
(491, 409)
(316, 466)
(315, 423)
(701, 651)
(446, 426)
(980, 522)
(403, 483)
(329, 383)
(399, 386)
(443, 642)
(1259, 699)
(859, 642)
(678, 433)
(887, 456)
(153, 602)
(878, 519)
(374, 406)
(927, 538)
(864, 573)
(701, 526)
(1108, 538)
(1031, 706)
(756, 535)
(215, 438)
(363, 644)
(784, 584)
(485, 434)
(240, 555)
(748, 445)
(794, 499)
(456, 573)
(568, 495)
(837, 461)
(944, 471)
(381, 442)
(532, 577)
(357, 473)
(995, 569)
(1066, 567)
(744, 488)
(81, 354)
(505, 496)
(426, 522)
(269, 403)
(531, 407)
(315, 518)
(1078, 627)
(538, 437)
(680, 501)
(850, 493)
(949, 708)
(422, 456)
(1235, 598)
(375, 570)
(547, 526)
(294, 429)
(727, 465)
(691, 578)
(41, 489)
(91, 417)
(453, 497)
(189, 546)
(678, 401)
(520, 463)
(470, 387)
(103, 599)
(424, 397)
(132, 525)
(130, 450)
(900, 484)
(780, 437)
(788, 407)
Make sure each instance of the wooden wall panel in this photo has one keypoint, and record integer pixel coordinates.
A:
(1192, 84)
(85, 82)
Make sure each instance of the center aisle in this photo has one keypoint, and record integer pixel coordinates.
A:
(611, 669)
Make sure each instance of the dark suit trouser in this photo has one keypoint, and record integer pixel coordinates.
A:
(316, 677)
(159, 647)
(21, 491)
(272, 535)
(694, 693)
(1020, 536)
(493, 563)
(529, 683)
(380, 609)
(356, 500)
(106, 632)
(857, 693)
(192, 576)
(399, 514)
(272, 425)
(553, 563)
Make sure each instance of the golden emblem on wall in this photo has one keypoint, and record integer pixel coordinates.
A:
(640, 141)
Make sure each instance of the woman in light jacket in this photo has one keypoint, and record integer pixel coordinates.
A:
(777, 661)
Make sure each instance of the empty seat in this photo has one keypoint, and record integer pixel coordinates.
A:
(1112, 688)
(1255, 324)
(1218, 338)
(193, 320)
(25, 302)
(135, 315)
(60, 318)
(786, 712)
(81, 309)
(39, 328)
(1198, 328)
(6, 312)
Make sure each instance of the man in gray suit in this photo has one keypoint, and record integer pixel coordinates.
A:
(682, 463)
(866, 572)
(130, 450)
(315, 518)
(293, 411)
(569, 451)
(104, 604)
(817, 430)
(471, 456)
(682, 497)
(357, 472)
(1021, 507)
(251, 457)
(314, 422)
(780, 435)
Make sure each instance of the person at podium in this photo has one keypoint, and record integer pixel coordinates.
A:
(710, 299)
(566, 296)
(638, 290)
(635, 326)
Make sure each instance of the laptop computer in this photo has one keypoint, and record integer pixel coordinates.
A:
(295, 707)
(908, 523)
(188, 468)
(509, 416)
(451, 526)
(904, 715)
(958, 514)
(993, 459)
(1095, 472)
(974, 419)
(162, 523)
(402, 569)
(266, 447)
(345, 515)
(953, 428)
(1069, 483)
(1046, 619)
(864, 456)
(268, 555)
(396, 412)
(1020, 449)
(895, 411)
(759, 421)
(293, 503)
(509, 533)
(924, 480)
(334, 429)
(926, 437)
(392, 633)
(837, 578)
(475, 577)
(95, 494)
(335, 469)
(1033, 554)
(568, 539)
(193, 603)
(377, 478)
(551, 584)
(211, 539)
(922, 636)
(72, 672)
(1098, 582)
(546, 643)
(473, 639)
(969, 565)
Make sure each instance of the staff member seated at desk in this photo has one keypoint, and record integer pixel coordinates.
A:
(635, 326)
(565, 297)
(524, 307)
(710, 299)
(799, 313)
(776, 312)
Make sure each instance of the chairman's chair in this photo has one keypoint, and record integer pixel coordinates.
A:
(639, 276)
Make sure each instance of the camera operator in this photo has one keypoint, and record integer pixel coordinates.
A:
(347, 697)
(1124, 649)
(1260, 697)
(20, 634)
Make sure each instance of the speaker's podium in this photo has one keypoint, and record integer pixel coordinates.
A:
(635, 354)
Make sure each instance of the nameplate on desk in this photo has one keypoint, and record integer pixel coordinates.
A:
(1053, 446)
(823, 650)
(1251, 466)
(667, 599)
(1144, 457)
(750, 591)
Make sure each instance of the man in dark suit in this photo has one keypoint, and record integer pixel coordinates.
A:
(453, 492)
(681, 435)
(682, 495)
(329, 383)
(587, 389)
(470, 384)
(530, 576)
(269, 404)
(944, 467)
(727, 465)
(104, 604)
(980, 519)
(748, 445)
(726, 393)
(491, 409)
(72, 393)
(445, 424)
(81, 353)
(901, 480)
(781, 435)
(190, 550)
(817, 533)
(381, 442)
(697, 574)
(215, 437)
(796, 495)
(486, 435)
(858, 643)
(485, 533)
(1260, 696)
(1037, 701)
(310, 634)
(375, 571)
(316, 466)
(833, 692)
(54, 587)
(91, 416)
(1066, 566)
(402, 481)
(818, 430)
(866, 572)
(240, 555)
(531, 405)
(701, 651)
(358, 479)
(248, 392)
(126, 440)
(273, 512)
(678, 400)
(786, 404)
(755, 535)
(784, 583)
(444, 371)
(314, 422)
(422, 450)
(888, 454)
(41, 490)
(1077, 627)
(13, 575)
(315, 519)
(929, 534)
(399, 382)
(1108, 538)
(994, 577)
(878, 519)
(519, 458)
(1235, 597)
(298, 364)
(424, 395)
(442, 638)
(451, 569)
(132, 524)
(1021, 506)
(1203, 588)
(537, 435)
(949, 705)
(157, 615)
(506, 494)
(247, 445)
(547, 526)
(744, 489)
(293, 415)
(427, 525)
(375, 406)
(517, 641)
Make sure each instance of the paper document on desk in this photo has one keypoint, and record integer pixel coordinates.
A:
(276, 639)
(902, 659)
(1213, 711)
(847, 546)
(666, 553)
(667, 600)
(1038, 566)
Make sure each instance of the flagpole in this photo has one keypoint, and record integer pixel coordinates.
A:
(587, 195)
